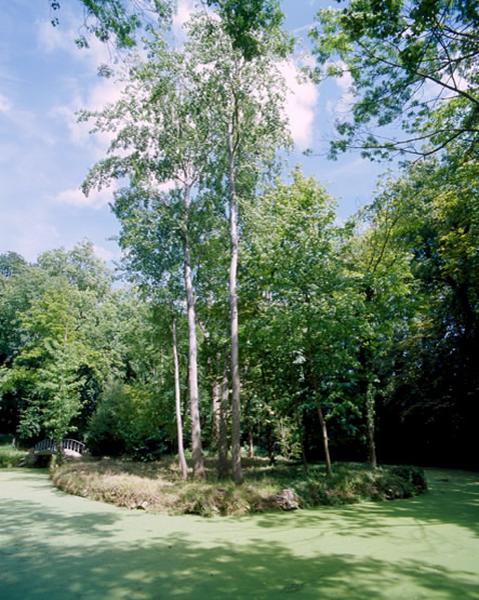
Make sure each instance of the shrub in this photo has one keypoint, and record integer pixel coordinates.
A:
(415, 476)
(127, 422)
(351, 483)
(104, 436)
(151, 448)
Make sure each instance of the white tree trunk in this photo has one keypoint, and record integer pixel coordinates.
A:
(233, 299)
(370, 414)
(196, 446)
(179, 424)
(223, 428)
(215, 410)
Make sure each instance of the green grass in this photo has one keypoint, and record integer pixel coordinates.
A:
(9, 456)
(158, 487)
(58, 546)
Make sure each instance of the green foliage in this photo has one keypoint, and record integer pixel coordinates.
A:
(80, 267)
(57, 341)
(119, 20)
(365, 330)
(436, 222)
(128, 421)
(302, 302)
(246, 20)
(115, 20)
(288, 434)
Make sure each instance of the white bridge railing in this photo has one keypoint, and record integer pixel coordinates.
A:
(50, 446)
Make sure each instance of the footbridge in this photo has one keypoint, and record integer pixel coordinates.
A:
(70, 447)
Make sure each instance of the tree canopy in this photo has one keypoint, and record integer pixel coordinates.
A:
(412, 67)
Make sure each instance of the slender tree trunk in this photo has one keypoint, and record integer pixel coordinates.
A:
(322, 420)
(179, 422)
(367, 388)
(223, 429)
(233, 299)
(270, 446)
(324, 431)
(370, 414)
(304, 458)
(250, 444)
(215, 410)
(196, 447)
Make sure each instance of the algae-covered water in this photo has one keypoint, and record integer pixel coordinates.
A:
(56, 546)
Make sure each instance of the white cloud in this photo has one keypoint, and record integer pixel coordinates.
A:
(301, 98)
(347, 97)
(52, 39)
(103, 92)
(342, 107)
(95, 199)
(5, 105)
(25, 124)
(91, 96)
(184, 10)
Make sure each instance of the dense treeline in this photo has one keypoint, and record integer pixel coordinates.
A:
(250, 318)
(364, 332)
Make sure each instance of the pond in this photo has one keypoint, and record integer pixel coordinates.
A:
(57, 546)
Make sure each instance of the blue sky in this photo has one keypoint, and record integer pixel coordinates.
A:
(45, 154)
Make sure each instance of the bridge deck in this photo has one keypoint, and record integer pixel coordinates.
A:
(70, 447)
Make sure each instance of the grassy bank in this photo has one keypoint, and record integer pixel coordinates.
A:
(157, 487)
(10, 456)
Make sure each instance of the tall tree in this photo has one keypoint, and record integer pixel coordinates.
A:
(305, 306)
(48, 366)
(385, 303)
(32, 307)
(247, 98)
(435, 381)
(162, 137)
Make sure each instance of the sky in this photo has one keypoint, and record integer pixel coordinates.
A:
(45, 154)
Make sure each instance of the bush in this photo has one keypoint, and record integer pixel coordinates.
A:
(352, 483)
(415, 476)
(126, 423)
(104, 435)
(151, 448)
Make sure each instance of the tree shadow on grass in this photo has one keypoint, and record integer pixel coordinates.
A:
(180, 568)
(17, 517)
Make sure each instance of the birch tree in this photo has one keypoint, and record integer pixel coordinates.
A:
(161, 128)
(247, 98)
